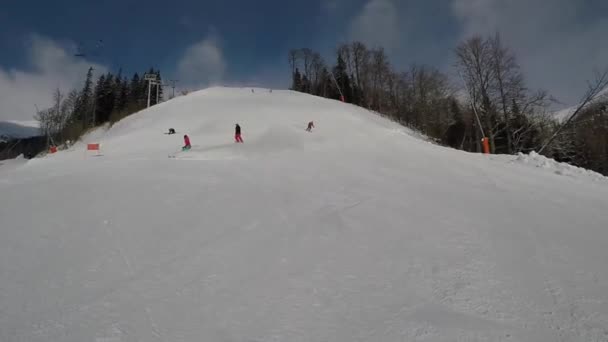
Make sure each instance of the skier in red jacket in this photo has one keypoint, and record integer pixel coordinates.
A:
(237, 134)
(187, 145)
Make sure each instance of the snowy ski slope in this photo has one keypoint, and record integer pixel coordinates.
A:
(359, 231)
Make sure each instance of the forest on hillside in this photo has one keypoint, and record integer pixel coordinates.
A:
(104, 100)
(489, 98)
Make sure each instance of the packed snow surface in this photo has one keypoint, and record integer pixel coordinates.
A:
(358, 231)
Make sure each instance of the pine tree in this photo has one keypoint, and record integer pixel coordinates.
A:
(135, 89)
(297, 81)
(122, 97)
(107, 99)
(305, 87)
(98, 104)
(342, 80)
(455, 110)
(82, 110)
(357, 94)
(323, 83)
(117, 89)
(455, 134)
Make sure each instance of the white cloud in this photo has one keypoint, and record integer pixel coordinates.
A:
(377, 25)
(202, 64)
(407, 30)
(558, 42)
(49, 66)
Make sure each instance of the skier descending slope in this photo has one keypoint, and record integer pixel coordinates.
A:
(187, 145)
(237, 134)
(311, 125)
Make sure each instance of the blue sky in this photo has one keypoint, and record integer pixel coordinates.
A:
(254, 35)
(558, 42)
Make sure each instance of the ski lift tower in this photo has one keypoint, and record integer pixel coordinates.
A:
(173, 86)
(152, 79)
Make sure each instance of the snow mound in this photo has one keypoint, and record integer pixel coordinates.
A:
(536, 160)
(358, 231)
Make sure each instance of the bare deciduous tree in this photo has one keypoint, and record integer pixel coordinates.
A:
(294, 56)
(54, 120)
(474, 60)
(361, 60)
(317, 66)
(508, 83)
(378, 70)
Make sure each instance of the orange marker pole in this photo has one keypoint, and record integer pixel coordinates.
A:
(486, 145)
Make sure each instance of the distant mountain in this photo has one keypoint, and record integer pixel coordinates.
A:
(18, 129)
(565, 113)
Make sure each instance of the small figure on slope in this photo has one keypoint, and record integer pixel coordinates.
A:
(237, 134)
(171, 131)
(311, 125)
(187, 145)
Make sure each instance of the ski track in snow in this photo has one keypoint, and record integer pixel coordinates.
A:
(359, 231)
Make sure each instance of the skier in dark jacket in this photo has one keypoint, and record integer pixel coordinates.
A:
(311, 125)
(237, 134)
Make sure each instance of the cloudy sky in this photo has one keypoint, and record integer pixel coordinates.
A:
(240, 42)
